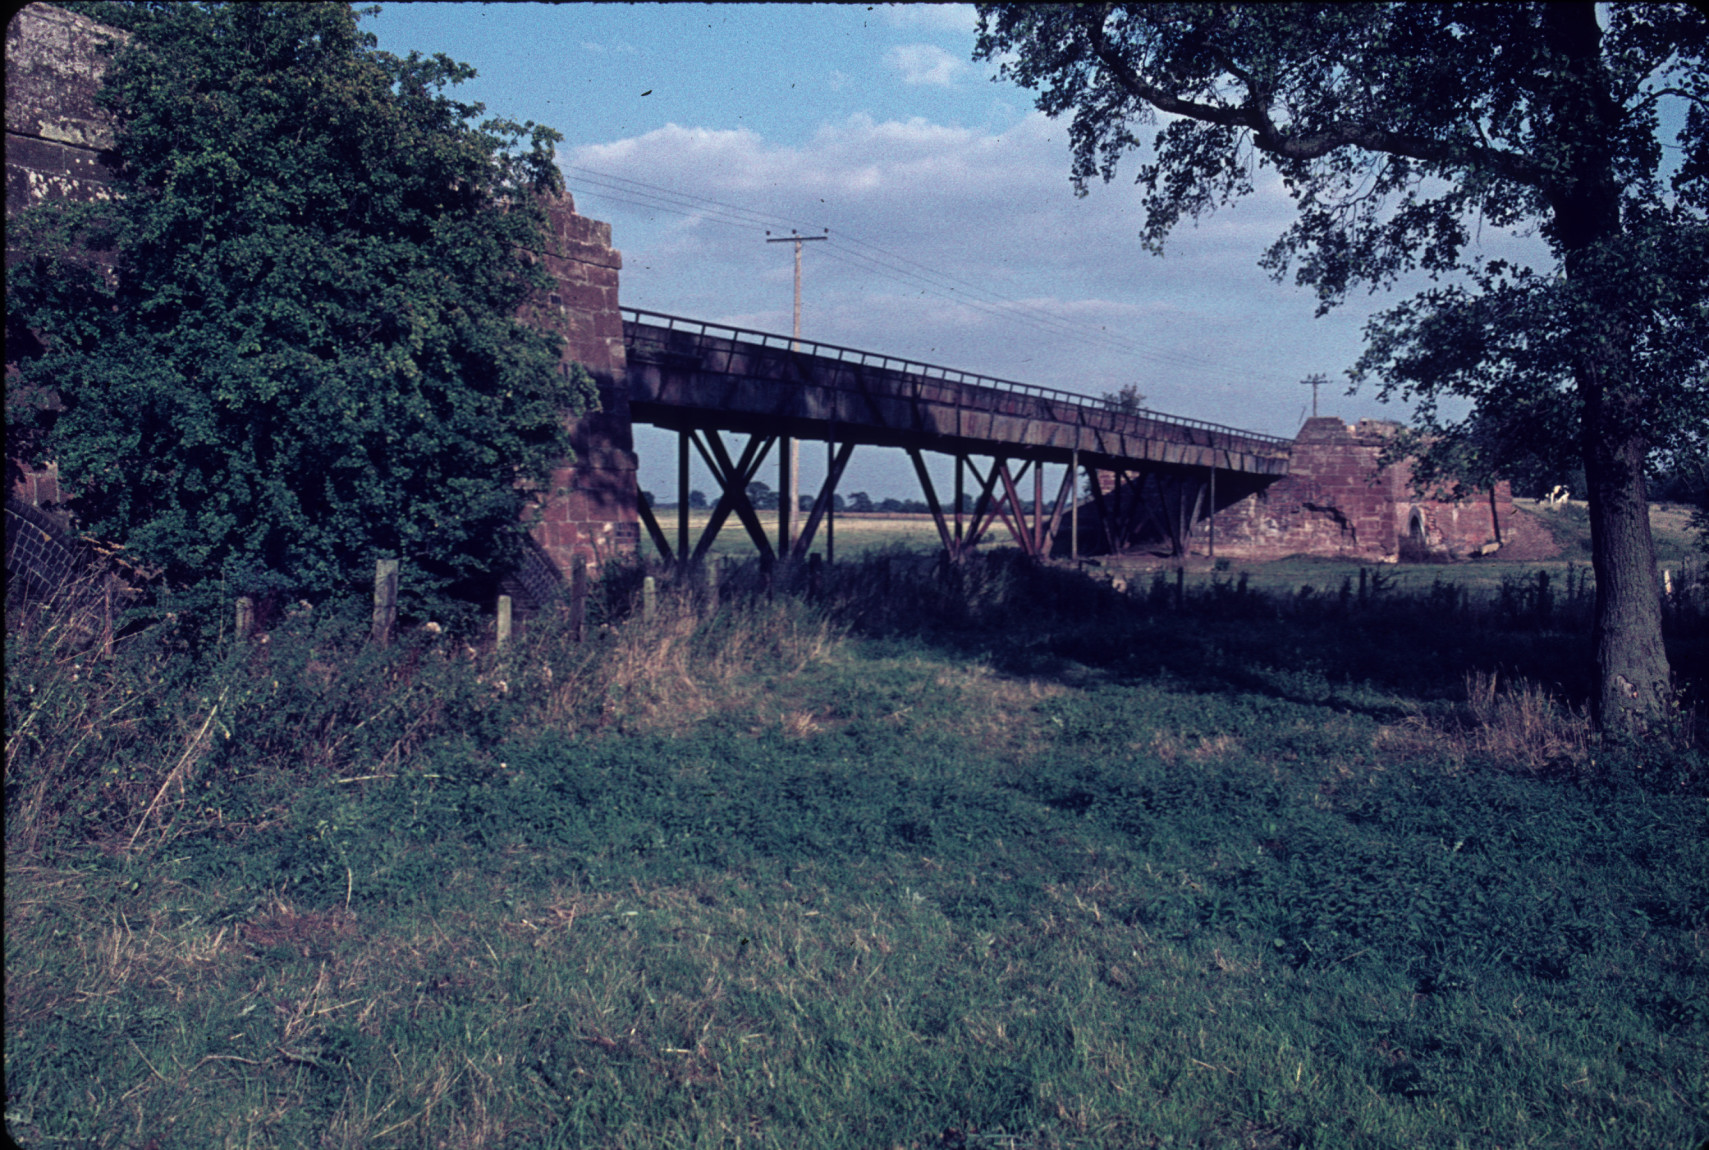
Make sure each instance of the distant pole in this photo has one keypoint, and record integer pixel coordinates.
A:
(790, 495)
(1314, 381)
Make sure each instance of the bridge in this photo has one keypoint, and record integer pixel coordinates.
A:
(1151, 479)
(1148, 474)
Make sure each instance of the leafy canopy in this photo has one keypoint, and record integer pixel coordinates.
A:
(289, 344)
(1400, 131)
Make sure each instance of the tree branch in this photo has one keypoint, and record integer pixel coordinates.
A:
(1267, 137)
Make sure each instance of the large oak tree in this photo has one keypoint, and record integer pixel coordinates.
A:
(290, 344)
(1398, 129)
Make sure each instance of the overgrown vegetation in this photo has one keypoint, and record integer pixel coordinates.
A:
(289, 343)
(916, 856)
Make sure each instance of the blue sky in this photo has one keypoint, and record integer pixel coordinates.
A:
(955, 236)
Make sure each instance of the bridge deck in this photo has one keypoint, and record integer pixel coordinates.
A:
(687, 375)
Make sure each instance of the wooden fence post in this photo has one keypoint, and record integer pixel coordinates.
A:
(578, 598)
(503, 621)
(245, 617)
(385, 599)
(649, 599)
(712, 566)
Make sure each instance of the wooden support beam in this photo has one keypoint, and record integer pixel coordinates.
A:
(733, 480)
(1211, 521)
(1074, 528)
(1193, 518)
(722, 506)
(658, 536)
(932, 501)
(1104, 509)
(960, 458)
(1063, 493)
(831, 486)
(1038, 508)
(984, 514)
(823, 505)
(785, 492)
(682, 497)
(737, 491)
(1018, 525)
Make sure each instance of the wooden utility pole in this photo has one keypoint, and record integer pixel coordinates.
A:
(789, 462)
(1314, 381)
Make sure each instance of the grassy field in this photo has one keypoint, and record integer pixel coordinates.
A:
(858, 535)
(982, 857)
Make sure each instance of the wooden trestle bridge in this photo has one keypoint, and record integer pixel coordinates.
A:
(1150, 476)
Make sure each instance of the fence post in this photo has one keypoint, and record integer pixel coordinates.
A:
(245, 617)
(712, 566)
(649, 599)
(578, 597)
(385, 599)
(503, 621)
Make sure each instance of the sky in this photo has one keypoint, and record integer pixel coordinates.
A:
(954, 234)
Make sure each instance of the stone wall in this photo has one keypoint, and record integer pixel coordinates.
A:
(590, 510)
(55, 132)
(1337, 500)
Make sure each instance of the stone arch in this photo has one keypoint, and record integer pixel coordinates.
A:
(1415, 540)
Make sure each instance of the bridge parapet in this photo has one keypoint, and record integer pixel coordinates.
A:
(687, 373)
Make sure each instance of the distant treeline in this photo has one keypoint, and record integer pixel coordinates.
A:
(765, 499)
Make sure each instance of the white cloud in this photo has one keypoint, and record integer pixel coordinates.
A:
(618, 49)
(928, 223)
(924, 64)
(937, 17)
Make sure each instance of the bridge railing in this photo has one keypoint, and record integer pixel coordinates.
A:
(1083, 404)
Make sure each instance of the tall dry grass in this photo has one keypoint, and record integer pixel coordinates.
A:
(118, 740)
(1519, 723)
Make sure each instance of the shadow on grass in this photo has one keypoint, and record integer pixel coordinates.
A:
(1314, 646)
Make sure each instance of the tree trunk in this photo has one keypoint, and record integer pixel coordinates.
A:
(1633, 681)
(1633, 678)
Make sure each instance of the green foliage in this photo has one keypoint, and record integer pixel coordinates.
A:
(1125, 400)
(289, 345)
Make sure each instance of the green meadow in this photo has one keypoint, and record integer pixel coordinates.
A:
(912, 855)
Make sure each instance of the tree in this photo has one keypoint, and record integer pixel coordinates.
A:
(296, 345)
(1125, 400)
(1399, 128)
(761, 496)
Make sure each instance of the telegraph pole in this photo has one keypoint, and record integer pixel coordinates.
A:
(1314, 381)
(790, 459)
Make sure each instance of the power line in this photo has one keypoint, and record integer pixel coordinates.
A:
(886, 264)
(641, 194)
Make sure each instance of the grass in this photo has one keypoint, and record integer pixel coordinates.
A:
(982, 857)
(857, 534)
